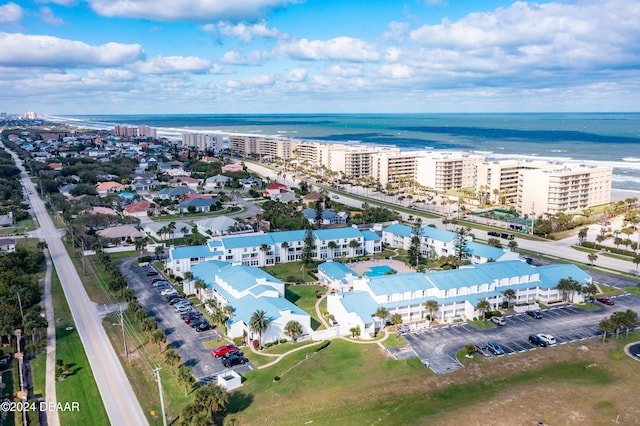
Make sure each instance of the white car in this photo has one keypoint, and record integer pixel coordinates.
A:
(168, 291)
(548, 338)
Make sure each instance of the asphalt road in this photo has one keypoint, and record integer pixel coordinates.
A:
(188, 342)
(119, 400)
(437, 346)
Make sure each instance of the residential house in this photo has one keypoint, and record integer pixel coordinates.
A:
(216, 182)
(336, 275)
(222, 225)
(122, 233)
(328, 217)
(144, 183)
(154, 229)
(199, 205)
(105, 188)
(174, 193)
(185, 181)
(7, 245)
(6, 220)
(139, 209)
(234, 167)
(66, 189)
(280, 192)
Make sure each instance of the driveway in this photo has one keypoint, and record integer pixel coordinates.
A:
(189, 343)
(437, 346)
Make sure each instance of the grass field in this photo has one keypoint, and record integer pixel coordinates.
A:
(586, 383)
(80, 386)
(305, 297)
(285, 271)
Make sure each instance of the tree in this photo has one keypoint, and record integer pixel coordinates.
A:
(200, 285)
(332, 248)
(264, 248)
(483, 306)
(513, 245)
(355, 331)
(354, 245)
(590, 290)
(432, 307)
(185, 378)
(158, 336)
(461, 243)
(285, 249)
(307, 248)
(630, 319)
(213, 398)
(607, 326)
(509, 294)
(171, 229)
(319, 212)
(259, 323)
(469, 349)
(293, 329)
(396, 319)
(636, 261)
(592, 258)
(582, 234)
(381, 313)
(171, 357)
(568, 286)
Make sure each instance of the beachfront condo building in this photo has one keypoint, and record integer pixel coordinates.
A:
(202, 142)
(563, 188)
(447, 171)
(498, 180)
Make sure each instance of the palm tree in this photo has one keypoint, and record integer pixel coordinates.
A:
(509, 294)
(213, 397)
(607, 326)
(171, 228)
(592, 258)
(590, 290)
(285, 249)
(582, 234)
(259, 323)
(185, 378)
(630, 319)
(354, 245)
(396, 319)
(636, 261)
(171, 357)
(513, 245)
(158, 336)
(483, 306)
(264, 248)
(432, 307)
(381, 313)
(293, 329)
(200, 285)
(332, 247)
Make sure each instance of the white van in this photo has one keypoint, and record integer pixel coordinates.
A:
(143, 264)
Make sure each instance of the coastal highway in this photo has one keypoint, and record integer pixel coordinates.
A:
(561, 249)
(119, 400)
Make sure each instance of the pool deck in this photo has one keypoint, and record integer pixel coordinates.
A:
(362, 267)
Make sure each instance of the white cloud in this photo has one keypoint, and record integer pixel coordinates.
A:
(10, 13)
(345, 71)
(296, 75)
(52, 52)
(339, 48)
(242, 31)
(396, 71)
(47, 16)
(172, 65)
(235, 57)
(66, 3)
(186, 10)
(111, 75)
(398, 31)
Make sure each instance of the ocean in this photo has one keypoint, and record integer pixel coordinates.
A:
(594, 138)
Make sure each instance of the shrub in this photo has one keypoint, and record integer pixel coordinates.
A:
(238, 341)
(283, 340)
(256, 344)
(323, 345)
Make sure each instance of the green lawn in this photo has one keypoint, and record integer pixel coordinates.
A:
(355, 384)
(305, 297)
(80, 386)
(38, 370)
(22, 227)
(292, 270)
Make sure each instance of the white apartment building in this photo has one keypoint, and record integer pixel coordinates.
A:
(446, 171)
(147, 132)
(500, 178)
(393, 167)
(563, 188)
(202, 141)
(262, 146)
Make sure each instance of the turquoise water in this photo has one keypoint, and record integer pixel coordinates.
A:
(378, 271)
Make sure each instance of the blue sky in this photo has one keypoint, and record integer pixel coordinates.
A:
(318, 56)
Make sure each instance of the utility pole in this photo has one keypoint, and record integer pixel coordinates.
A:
(159, 380)
(533, 216)
(124, 336)
(20, 304)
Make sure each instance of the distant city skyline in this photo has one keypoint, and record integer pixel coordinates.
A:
(318, 56)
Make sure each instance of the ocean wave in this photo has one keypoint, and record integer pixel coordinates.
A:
(625, 178)
(631, 159)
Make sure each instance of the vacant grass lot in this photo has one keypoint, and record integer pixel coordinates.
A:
(292, 270)
(351, 384)
(80, 386)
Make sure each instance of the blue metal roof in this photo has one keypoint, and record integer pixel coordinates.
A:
(399, 283)
(484, 251)
(189, 252)
(438, 234)
(337, 233)
(370, 235)
(335, 270)
(310, 214)
(246, 241)
(550, 275)
(198, 202)
(287, 236)
(402, 230)
(361, 303)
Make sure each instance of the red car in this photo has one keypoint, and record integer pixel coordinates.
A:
(224, 349)
(155, 280)
(606, 301)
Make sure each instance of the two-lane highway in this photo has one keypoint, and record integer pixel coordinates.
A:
(120, 401)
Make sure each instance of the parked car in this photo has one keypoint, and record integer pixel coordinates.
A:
(169, 292)
(204, 326)
(538, 341)
(173, 296)
(155, 280)
(152, 273)
(548, 338)
(191, 315)
(234, 360)
(182, 303)
(498, 320)
(482, 350)
(495, 348)
(535, 314)
(606, 301)
(235, 352)
(160, 284)
(184, 308)
(196, 322)
(174, 300)
(221, 350)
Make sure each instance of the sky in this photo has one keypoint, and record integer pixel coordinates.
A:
(318, 56)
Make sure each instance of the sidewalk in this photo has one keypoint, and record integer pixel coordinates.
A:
(50, 379)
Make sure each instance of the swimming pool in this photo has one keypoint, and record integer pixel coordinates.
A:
(378, 271)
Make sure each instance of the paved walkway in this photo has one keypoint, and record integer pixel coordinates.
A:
(50, 378)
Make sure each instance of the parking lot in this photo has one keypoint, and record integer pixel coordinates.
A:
(437, 346)
(188, 342)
